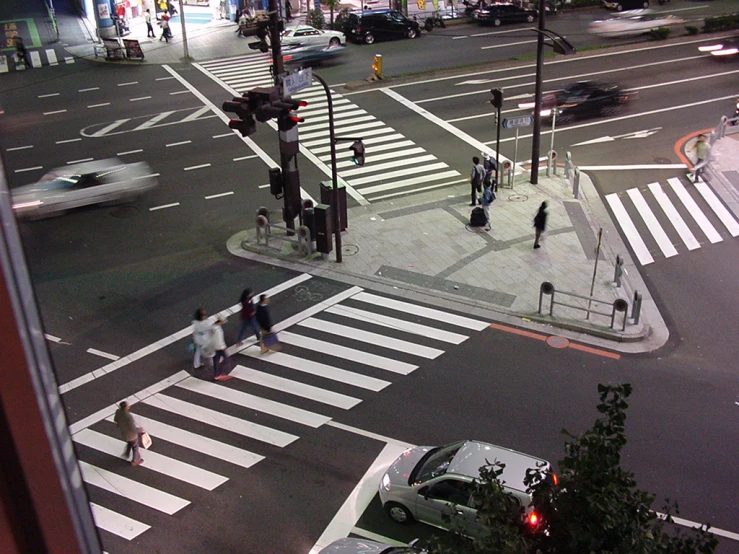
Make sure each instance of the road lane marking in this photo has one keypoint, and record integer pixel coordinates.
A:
(658, 233)
(690, 205)
(130, 152)
(718, 208)
(18, 148)
(68, 140)
(163, 78)
(242, 158)
(116, 523)
(48, 95)
(81, 160)
(177, 143)
(54, 112)
(219, 195)
(694, 525)
(224, 135)
(164, 206)
(99, 105)
(139, 98)
(201, 166)
(102, 354)
(507, 44)
(629, 167)
(109, 128)
(128, 84)
(158, 345)
(179, 92)
(88, 89)
(629, 229)
(29, 169)
(674, 216)
(52, 338)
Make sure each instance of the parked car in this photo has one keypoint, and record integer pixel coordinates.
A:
(84, 184)
(364, 546)
(497, 14)
(621, 5)
(305, 35)
(725, 49)
(369, 26)
(581, 100)
(426, 482)
(632, 23)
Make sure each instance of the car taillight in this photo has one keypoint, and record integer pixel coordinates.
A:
(532, 519)
(555, 479)
(359, 30)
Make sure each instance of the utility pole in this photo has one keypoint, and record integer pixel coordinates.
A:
(536, 138)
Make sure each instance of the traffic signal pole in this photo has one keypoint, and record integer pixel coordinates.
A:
(536, 138)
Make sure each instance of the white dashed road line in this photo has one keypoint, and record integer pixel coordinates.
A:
(139, 98)
(218, 195)
(29, 169)
(88, 89)
(129, 152)
(54, 112)
(164, 206)
(48, 95)
(102, 354)
(68, 140)
(178, 143)
(196, 167)
(99, 105)
(18, 148)
(128, 84)
(80, 161)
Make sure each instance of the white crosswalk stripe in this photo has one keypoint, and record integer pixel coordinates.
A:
(667, 219)
(410, 160)
(38, 58)
(342, 342)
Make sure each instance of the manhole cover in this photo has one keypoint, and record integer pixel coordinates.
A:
(518, 198)
(349, 249)
(662, 161)
(125, 211)
(558, 342)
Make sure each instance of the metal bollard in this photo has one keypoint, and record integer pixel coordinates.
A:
(262, 229)
(636, 308)
(619, 271)
(546, 288)
(619, 305)
(576, 184)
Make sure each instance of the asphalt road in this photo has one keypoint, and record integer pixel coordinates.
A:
(117, 280)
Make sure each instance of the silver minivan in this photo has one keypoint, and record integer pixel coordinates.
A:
(426, 482)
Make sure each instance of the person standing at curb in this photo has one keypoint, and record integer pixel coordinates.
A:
(264, 319)
(129, 431)
(477, 175)
(248, 316)
(166, 35)
(487, 198)
(202, 331)
(218, 345)
(540, 223)
(149, 28)
(703, 151)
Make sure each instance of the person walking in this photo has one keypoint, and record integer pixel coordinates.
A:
(248, 316)
(477, 176)
(487, 198)
(264, 319)
(202, 333)
(288, 11)
(540, 223)
(218, 344)
(129, 431)
(149, 28)
(21, 54)
(703, 151)
(166, 35)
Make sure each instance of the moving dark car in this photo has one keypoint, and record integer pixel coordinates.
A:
(582, 100)
(496, 14)
(370, 26)
(621, 5)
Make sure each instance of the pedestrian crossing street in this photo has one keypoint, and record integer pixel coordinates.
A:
(47, 56)
(335, 355)
(394, 164)
(666, 220)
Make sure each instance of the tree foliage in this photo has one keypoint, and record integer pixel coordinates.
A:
(596, 508)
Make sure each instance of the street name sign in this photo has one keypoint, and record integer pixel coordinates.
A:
(516, 122)
(297, 80)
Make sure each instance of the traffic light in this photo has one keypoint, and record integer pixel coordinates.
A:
(357, 148)
(497, 99)
(263, 100)
(287, 120)
(245, 123)
(275, 182)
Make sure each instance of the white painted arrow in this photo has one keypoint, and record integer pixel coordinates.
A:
(475, 82)
(636, 134)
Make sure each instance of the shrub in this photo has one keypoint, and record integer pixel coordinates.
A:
(660, 34)
(721, 23)
(316, 19)
(691, 29)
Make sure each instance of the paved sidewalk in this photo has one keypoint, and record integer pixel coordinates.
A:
(422, 247)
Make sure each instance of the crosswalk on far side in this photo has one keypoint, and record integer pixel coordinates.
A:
(335, 355)
(671, 218)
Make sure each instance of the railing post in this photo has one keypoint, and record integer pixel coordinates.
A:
(636, 308)
(576, 184)
(619, 305)
(546, 288)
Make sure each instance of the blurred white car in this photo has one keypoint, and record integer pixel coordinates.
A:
(305, 35)
(724, 49)
(364, 546)
(632, 23)
(84, 184)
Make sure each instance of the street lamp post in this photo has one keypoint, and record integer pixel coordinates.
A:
(550, 161)
(536, 138)
(334, 172)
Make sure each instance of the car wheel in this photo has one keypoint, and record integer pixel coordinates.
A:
(369, 38)
(619, 8)
(429, 25)
(496, 22)
(399, 513)
(645, 5)
(529, 18)
(412, 33)
(334, 42)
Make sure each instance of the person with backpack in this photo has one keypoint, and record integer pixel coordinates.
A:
(477, 176)
(490, 171)
(487, 198)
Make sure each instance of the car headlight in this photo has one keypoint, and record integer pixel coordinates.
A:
(385, 483)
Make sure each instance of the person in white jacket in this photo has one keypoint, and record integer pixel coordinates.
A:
(218, 343)
(202, 333)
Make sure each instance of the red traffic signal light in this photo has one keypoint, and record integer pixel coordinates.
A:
(286, 119)
(357, 148)
(245, 123)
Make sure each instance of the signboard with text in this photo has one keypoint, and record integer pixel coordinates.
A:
(297, 80)
(516, 122)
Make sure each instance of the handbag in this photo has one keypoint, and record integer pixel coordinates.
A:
(190, 347)
(145, 440)
(271, 341)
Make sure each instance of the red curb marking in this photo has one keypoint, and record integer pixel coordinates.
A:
(555, 341)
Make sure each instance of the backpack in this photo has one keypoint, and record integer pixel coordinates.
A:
(477, 219)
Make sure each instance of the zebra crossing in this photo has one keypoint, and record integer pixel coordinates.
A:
(335, 355)
(394, 164)
(671, 219)
(47, 56)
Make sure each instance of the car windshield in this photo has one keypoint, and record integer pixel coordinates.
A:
(58, 182)
(434, 463)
